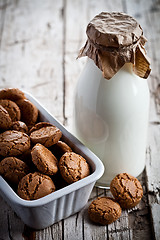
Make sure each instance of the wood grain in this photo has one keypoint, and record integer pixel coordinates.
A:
(32, 46)
(150, 13)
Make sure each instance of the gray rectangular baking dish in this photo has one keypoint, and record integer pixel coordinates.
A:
(62, 203)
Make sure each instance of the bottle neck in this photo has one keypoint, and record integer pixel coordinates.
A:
(127, 67)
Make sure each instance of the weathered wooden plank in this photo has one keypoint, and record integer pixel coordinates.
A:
(149, 18)
(4, 208)
(52, 232)
(155, 208)
(153, 183)
(31, 51)
(75, 24)
(139, 216)
(91, 230)
(122, 229)
(31, 59)
(74, 226)
(134, 223)
(124, 225)
(10, 224)
(78, 14)
(153, 163)
(3, 5)
(11, 227)
(74, 39)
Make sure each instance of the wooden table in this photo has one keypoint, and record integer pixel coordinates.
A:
(39, 42)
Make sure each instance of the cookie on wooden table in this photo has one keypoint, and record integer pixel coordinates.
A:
(127, 190)
(104, 210)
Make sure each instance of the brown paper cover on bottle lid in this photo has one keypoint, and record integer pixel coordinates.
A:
(113, 40)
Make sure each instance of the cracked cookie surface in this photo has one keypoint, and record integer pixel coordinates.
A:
(34, 186)
(44, 160)
(12, 109)
(127, 190)
(13, 169)
(5, 120)
(73, 167)
(47, 136)
(104, 210)
(13, 143)
(39, 125)
(20, 126)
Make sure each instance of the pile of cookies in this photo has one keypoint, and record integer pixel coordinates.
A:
(127, 192)
(34, 159)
